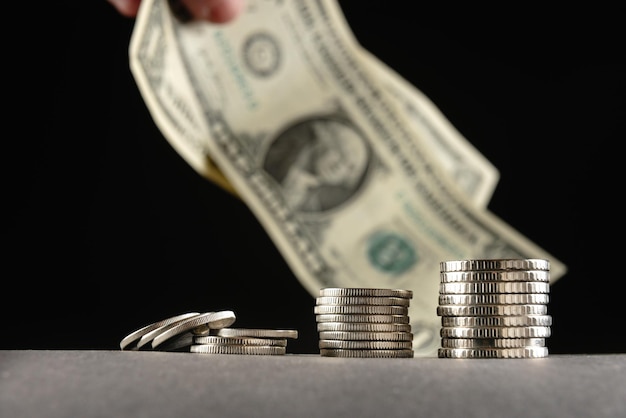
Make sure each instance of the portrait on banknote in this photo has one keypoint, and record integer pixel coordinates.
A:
(319, 163)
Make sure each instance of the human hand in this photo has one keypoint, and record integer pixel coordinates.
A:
(215, 11)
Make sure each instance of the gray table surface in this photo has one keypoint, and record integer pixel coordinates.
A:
(42, 383)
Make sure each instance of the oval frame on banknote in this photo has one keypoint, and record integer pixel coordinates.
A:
(262, 53)
(305, 154)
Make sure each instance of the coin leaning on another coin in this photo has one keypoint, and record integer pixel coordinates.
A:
(198, 324)
(130, 341)
(146, 339)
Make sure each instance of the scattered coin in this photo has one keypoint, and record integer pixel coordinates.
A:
(257, 333)
(179, 343)
(130, 341)
(208, 333)
(146, 339)
(196, 325)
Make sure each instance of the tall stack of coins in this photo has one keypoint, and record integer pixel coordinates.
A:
(364, 322)
(494, 308)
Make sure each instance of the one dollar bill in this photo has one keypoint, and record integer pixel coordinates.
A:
(350, 191)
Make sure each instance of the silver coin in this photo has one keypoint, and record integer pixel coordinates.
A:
(492, 342)
(337, 352)
(366, 345)
(215, 339)
(257, 333)
(371, 336)
(361, 309)
(372, 319)
(495, 264)
(495, 299)
(491, 310)
(214, 320)
(500, 276)
(362, 300)
(258, 350)
(524, 352)
(494, 287)
(495, 332)
(362, 327)
(497, 321)
(147, 338)
(208, 320)
(129, 342)
(365, 292)
(178, 343)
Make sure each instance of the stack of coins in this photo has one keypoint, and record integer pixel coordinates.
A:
(207, 333)
(494, 308)
(176, 333)
(250, 341)
(364, 322)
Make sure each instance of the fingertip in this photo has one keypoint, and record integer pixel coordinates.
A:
(128, 8)
(214, 11)
(223, 11)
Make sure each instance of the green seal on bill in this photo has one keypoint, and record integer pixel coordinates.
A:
(391, 253)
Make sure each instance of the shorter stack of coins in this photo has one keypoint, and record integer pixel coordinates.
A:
(364, 323)
(494, 308)
(248, 341)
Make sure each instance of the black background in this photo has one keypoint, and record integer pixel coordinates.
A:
(107, 229)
